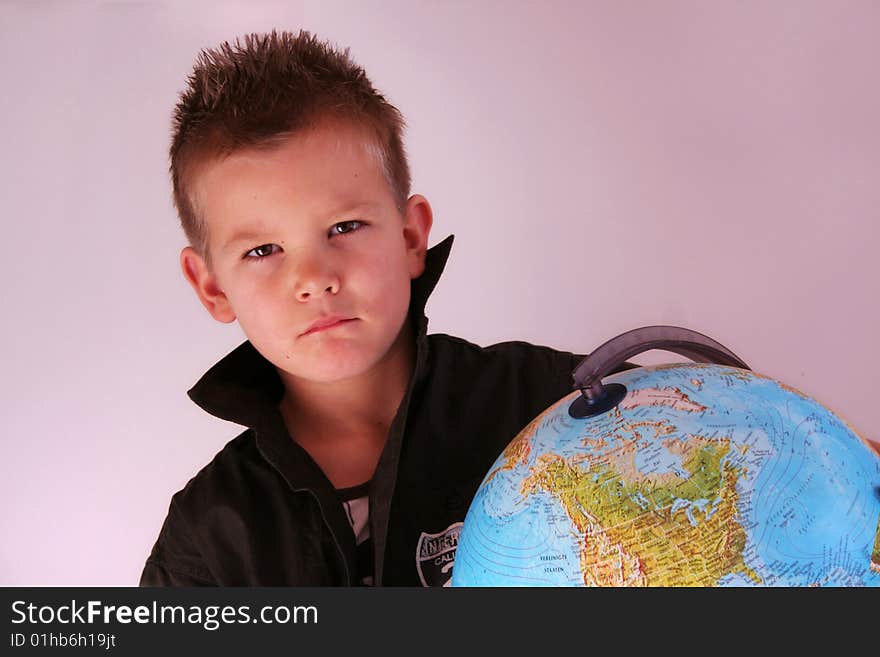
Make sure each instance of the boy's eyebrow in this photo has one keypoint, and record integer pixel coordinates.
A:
(250, 235)
(240, 237)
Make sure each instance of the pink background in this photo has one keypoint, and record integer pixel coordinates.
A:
(715, 165)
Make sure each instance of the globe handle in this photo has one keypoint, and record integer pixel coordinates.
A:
(597, 398)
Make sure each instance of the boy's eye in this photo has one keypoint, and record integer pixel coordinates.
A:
(344, 227)
(260, 251)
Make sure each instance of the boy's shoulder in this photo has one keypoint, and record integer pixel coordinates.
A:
(464, 376)
(456, 352)
(228, 470)
(521, 377)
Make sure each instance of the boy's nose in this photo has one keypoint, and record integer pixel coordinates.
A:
(303, 294)
(314, 279)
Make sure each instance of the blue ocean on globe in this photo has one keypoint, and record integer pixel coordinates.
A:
(704, 475)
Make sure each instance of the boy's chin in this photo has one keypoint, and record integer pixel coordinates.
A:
(329, 370)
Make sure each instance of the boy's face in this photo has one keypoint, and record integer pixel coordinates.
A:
(306, 230)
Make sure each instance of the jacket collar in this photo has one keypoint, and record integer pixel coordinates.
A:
(245, 388)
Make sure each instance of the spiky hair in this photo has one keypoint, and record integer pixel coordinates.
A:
(266, 89)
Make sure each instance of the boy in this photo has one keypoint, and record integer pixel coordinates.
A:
(365, 438)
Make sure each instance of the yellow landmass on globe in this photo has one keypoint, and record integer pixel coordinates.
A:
(631, 534)
(671, 396)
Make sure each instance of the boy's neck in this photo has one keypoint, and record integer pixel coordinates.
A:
(312, 411)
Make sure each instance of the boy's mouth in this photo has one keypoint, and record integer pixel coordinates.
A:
(325, 323)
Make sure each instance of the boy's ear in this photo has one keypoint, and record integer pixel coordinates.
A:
(206, 286)
(416, 228)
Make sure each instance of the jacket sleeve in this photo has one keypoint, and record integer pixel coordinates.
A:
(175, 559)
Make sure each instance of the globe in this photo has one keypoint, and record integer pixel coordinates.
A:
(701, 474)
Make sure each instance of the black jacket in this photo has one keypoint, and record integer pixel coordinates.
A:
(262, 513)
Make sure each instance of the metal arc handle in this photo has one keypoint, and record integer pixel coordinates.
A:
(697, 347)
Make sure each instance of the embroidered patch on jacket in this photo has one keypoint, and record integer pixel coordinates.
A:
(435, 555)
